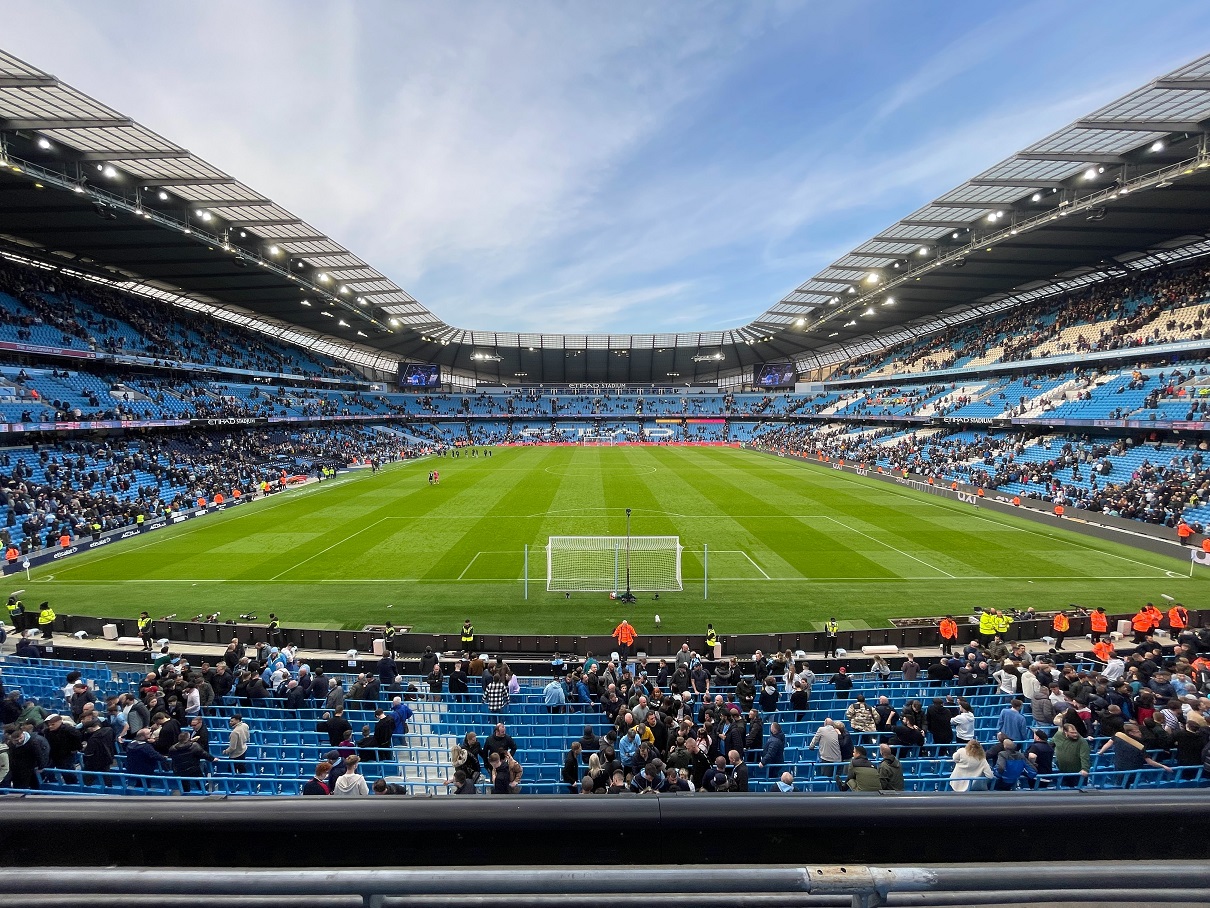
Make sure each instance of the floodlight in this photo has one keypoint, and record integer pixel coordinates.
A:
(44, 143)
(273, 250)
(1036, 197)
(163, 196)
(924, 250)
(394, 323)
(869, 311)
(1090, 173)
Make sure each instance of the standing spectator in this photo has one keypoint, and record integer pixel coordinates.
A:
(841, 682)
(352, 784)
(971, 771)
(495, 694)
(1072, 753)
(890, 770)
(238, 743)
(571, 768)
(318, 783)
(187, 757)
(827, 742)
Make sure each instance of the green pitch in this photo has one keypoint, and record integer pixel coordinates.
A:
(789, 545)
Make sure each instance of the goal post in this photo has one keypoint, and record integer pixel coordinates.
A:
(597, 440)
(599, 564)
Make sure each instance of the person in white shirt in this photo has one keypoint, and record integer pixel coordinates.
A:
(964, 723)
(351, 784)
(971, 770)
(1114, 669)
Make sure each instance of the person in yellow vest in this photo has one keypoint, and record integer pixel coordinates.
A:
(468, 636)
(46, 621)
(831, 631)
(388, 639)
(139, 520)
(16, 614)
(1061, 625)
(144, 623)
(1003, 623)
(987, 625)
(711, 638)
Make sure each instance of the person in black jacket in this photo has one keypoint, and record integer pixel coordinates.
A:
(937, 721)
(571, 768)
(335, 725)
(387, 670)
(318, 783)
(65, 742)
(384, 730)
(842, 682)
(187, 757)
(98, 747)
(296, 697)
(457, 680)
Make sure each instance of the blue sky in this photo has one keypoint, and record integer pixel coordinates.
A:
(603, 167)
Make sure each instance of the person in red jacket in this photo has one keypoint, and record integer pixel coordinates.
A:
(1183, 532)
(1178, 618)
(1141, 623)
(949, 633)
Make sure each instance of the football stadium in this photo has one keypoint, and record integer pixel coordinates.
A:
(313, 585)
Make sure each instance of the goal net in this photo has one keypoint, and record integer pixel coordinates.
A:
(596, 440)
(599, 563)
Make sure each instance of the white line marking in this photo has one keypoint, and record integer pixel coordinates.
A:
(755, 565)
(468, 565)
(329, 548)
(865, 578)
(892, 548)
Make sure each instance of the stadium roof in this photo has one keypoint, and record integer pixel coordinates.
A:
(87, 185)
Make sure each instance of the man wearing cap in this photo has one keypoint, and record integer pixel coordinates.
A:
(65, 742)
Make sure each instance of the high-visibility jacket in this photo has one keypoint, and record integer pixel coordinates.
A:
(1003, 623)
(831, 628)
(46, 616)
(949, 629)
(1178, 617)
(16, 608)
(468, 633)
(65, 540)
(144, 625)
(1061, 624)
(1103, 650)
(1206, 544)
(1100, 622)
(624, 633)
(1141, 622)
(1154, 615)
(1184, 530)
(12, 554)
(987, 624)
(711, 639)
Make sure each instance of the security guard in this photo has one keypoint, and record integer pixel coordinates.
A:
(711, 638)
(831, 631)
(46, 621)
(1178, 617)
(144, 623)
(949, 634)
(274, 630)
(16, 614)
(388, 639)
(1061, 626)
(468, 635)
(1003, 623)
(987, 625)
(1100, 623)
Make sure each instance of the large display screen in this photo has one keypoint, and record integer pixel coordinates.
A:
(420, 375)
(777, 375)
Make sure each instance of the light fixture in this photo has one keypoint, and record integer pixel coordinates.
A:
(273, 250)
(801, 322)
(1157, 145)
(110, 172)
(323, 278)
(852, 290)
(44, 143)
(872, 278)
(205, 215)
(889, 301)
(361, 334)
(869, 311)
(308, 303)
(833, 301)
(1090, 173)
(394, 323)
(342, 323)
(163, 196)
(850, 324)
(344, 290)
(1036, 197)
(924, 250)
(955, 235)
(833, 334)
(361, 300)
(326, 314)
(77, 188)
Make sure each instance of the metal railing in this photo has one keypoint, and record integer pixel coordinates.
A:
(858, 886)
